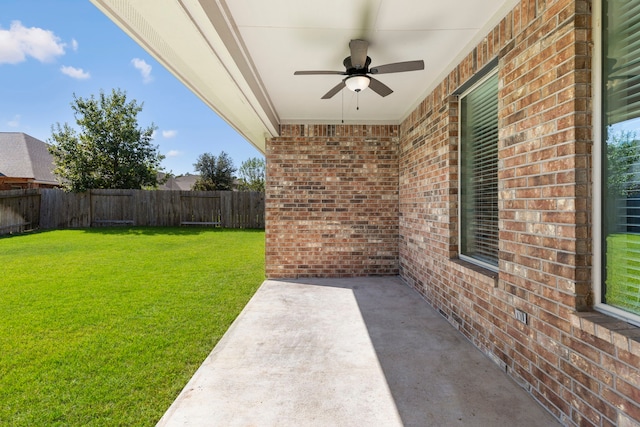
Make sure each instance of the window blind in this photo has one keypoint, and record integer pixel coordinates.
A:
(622, 60)
(621, 154)
(479, 173)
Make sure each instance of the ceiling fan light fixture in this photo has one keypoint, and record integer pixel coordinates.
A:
(357, 83)
(357, 70)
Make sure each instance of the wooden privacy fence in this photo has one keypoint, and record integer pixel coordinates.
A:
(19, 210)
(51, 209)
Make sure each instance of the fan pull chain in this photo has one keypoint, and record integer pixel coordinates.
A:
(342, 92)
(358, 100)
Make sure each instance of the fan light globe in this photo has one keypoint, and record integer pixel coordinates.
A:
(357, 83)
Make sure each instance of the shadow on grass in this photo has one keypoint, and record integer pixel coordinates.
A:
(143, 231)
(154, 231)
(23, 233)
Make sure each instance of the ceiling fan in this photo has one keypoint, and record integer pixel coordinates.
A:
(359, 74)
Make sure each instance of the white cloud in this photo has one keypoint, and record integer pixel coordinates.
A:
(174, 153)
(144, 68)
(15, 122)
(19, 42)
(74, 45)
(169, 133)
(76, 73)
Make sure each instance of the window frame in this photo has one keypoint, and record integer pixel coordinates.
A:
(492, 70)
(598, 260)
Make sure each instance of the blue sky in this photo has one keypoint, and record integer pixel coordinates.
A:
(51, 49)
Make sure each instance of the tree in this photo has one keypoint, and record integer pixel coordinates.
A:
(252, 175)
(110, 150)
(623, 158)
(216, 173)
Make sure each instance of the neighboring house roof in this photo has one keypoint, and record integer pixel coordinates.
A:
(184, 182)
(23, 156)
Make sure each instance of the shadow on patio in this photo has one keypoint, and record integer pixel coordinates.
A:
(357, 351)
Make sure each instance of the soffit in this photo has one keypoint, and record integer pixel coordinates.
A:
(239, 56)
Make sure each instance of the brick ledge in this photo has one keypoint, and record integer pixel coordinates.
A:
(614, 331)
(484, 274)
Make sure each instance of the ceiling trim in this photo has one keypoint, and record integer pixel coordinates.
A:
(222, 87)
(220, 17)
(340, 122)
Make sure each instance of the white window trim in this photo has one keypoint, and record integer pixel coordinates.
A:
(463, 257)
(597, 267)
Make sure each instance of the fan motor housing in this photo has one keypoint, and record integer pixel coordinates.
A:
(351, 70)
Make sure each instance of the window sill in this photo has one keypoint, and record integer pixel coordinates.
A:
(614, 331)
(488, 276)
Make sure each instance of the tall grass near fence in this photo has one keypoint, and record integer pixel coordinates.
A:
(106, 326)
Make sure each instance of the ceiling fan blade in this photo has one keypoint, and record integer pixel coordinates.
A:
(334, 90)
(380, 88)
(398, 67)
(312, 73)
(358, 50)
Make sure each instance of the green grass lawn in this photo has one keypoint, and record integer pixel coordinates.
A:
(106, 326)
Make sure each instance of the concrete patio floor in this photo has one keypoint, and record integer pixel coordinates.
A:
(348, 352)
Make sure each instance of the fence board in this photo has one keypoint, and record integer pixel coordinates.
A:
(200, 208)
(19, 210)
(52, 208)
(64, 210)
(112, 207)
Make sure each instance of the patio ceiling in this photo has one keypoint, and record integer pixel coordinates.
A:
(239, 56)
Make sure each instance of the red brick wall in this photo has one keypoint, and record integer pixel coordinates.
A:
(582, 366)
(332, 201)
(359, 200)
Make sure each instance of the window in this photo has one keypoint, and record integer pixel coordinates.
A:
(618, 175)
(479, 173)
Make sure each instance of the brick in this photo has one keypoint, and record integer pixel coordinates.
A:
(596, 342)
(579, 376)
(629, 391)
(595, 401)
(624, 405)
(554, 399)
(629, 373)
(631, 358)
